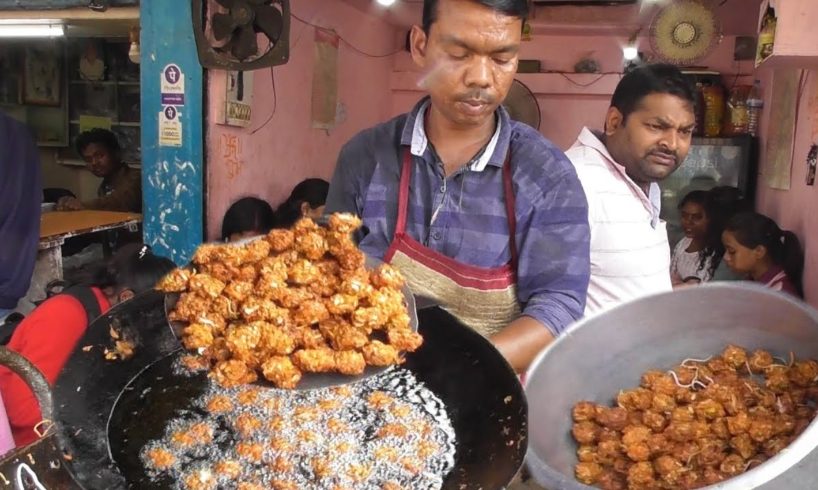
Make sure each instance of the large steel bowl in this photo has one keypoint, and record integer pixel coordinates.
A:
(603, 354)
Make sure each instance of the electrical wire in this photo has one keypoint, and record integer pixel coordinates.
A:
(272, 73)
(599, 77)
(354, 48)
(803, 76)
(275, 103)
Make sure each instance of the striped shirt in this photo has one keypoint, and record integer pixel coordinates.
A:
(685, 265)
(630, 254)
(463, 215)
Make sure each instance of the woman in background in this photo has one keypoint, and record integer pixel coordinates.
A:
(686, 266)
(48, 335)
(306, 200)
(721, 204)
(247, 217)
(758, 249)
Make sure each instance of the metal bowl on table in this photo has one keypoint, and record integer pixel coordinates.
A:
(606, 353)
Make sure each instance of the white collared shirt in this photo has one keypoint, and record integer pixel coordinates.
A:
(630, 253)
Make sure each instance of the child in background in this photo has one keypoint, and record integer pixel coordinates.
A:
(686, 266)
(761, 251)
(48, 335)
(721, 204)
(247, 217)
(306, 200)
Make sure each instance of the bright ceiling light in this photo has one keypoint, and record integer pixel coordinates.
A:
(630, 53)
(31, 30)
(386, 3)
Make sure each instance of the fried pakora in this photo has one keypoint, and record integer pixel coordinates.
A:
(703, 422)
(303, 294)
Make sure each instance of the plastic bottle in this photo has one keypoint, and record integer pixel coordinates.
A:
(700, 107)
(736, 121)
(754, 105)
(713, 110)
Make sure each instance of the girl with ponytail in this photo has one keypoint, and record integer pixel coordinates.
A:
(757, 248)
(307, 200)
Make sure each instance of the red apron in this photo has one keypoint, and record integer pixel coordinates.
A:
(483, 298)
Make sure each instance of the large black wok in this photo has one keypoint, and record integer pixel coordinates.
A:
(106, 411)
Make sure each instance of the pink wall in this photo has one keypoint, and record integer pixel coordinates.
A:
(794, 209)
(270, 162)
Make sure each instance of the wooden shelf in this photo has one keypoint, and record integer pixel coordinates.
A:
(775, 61)
(104, 82)
(796, 34)
(586, 84)
(75, 162)
(115, 123)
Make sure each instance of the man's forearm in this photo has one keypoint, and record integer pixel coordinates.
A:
(521, 341)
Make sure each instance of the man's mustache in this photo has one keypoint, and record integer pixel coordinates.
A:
(477, 95)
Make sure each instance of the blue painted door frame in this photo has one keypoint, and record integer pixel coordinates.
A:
(173, 169)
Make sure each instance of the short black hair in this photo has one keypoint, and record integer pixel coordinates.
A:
(99, 136)
(657, 78)
(513, 8)
(248, 214)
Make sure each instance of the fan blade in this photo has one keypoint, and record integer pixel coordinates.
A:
(223, 26)
(269, 21)
(228, 4)
(244, 44)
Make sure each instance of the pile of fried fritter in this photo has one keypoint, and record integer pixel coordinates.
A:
(703, 422)
(297, 301)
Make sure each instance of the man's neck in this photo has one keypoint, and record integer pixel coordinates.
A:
(456, 145)
(114, 172)
(645, 186)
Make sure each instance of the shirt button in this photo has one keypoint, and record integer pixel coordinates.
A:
(436, 235)
(443, 188)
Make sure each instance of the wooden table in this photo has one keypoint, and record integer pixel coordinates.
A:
(55, 228)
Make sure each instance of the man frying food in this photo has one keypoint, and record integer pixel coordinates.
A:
(480, 213)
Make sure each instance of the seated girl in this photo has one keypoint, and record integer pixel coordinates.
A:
(247, 217)
(759, 250)
(689, 265)
(48, 335)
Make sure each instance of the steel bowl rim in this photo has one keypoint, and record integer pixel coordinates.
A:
(790, 456)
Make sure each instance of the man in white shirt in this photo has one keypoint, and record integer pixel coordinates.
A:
(647, 134)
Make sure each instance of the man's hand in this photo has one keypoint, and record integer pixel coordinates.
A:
(69, 203)
(521, 341)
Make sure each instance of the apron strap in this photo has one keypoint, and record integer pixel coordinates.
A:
(508, 189)
(403, 191)
(508, 195)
